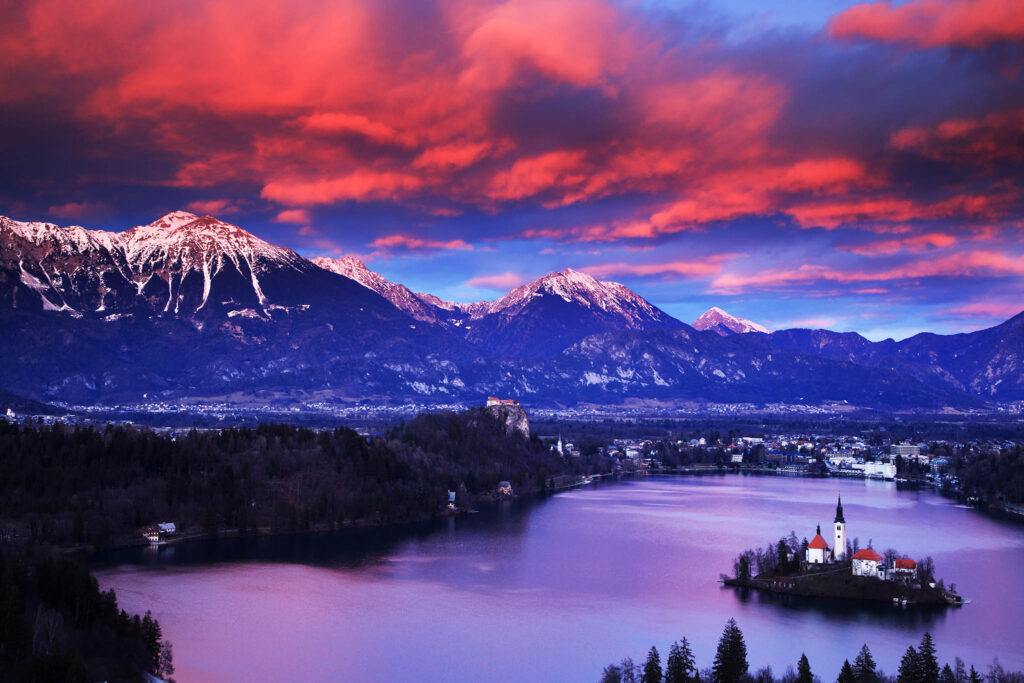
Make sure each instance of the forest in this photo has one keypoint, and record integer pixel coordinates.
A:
(918, 665)
(56, 625)
(96, 487)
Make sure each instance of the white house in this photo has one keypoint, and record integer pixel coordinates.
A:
(817, 549)
(865, 563)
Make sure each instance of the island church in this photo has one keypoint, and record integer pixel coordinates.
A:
(818, 551)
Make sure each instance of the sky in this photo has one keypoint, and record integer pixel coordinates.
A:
(812, 163)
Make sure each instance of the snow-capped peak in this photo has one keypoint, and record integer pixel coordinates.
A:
(583, 289)
(175, 219)
(194, 240)
(717, 320)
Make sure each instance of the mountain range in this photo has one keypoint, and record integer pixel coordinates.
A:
(192, 306)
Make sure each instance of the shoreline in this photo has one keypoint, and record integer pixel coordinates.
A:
(693, 471)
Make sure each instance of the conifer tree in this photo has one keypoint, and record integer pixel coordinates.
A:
(846, 673)
(928, 665)
(864, 666)
(803, 670)
(975, 677)
(946, 676)
(910, 669)
(680, 666)
(652, 667)
(731, 657)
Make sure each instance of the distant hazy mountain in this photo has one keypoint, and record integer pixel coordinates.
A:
(716, 320)
(193, 306)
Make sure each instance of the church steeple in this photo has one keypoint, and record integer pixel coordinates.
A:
(839, 546)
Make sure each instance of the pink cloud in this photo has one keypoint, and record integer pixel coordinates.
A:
(696, 269)
(411, 243)
(293, 216)
(990, 309)
(74, 210)
(964, 264)
(933, 23)
(916, 244)
(502, 281)
(213, 207)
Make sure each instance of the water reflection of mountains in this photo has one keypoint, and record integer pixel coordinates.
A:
(917, 617)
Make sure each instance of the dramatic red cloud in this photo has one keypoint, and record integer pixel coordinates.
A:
(358, 185)
(418, 244)
(453, 107)
(933, 23)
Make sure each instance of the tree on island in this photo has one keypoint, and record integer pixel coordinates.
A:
(681, 666)
(742, 566)
(846, 674)
(652, 667)
(864, 666)
(731, 657)
(803, 670)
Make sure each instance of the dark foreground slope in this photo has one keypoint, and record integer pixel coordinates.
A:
(56, 625)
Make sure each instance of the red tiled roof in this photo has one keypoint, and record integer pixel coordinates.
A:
(868, 554)
(904, 563)
(818, 543)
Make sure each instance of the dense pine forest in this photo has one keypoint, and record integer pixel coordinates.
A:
(98, 486)
(56, 625)
(918, 665)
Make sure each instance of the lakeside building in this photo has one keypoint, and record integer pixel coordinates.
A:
(492, 401)
(906, 450)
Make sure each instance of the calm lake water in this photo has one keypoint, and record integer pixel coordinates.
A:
(556, 588)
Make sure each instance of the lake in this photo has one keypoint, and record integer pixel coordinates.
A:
(556, 588)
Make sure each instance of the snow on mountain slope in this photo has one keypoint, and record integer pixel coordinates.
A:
(584, 290)
(171, 263)
(717, 320)
(419, 306)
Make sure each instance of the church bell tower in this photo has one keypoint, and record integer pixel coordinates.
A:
(839, 548)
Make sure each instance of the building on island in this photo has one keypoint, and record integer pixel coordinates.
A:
(505, 488)
(839, 547)
(817, 550)
(10, 413)
(866, 562)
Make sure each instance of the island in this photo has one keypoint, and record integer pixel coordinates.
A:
(813, 569)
